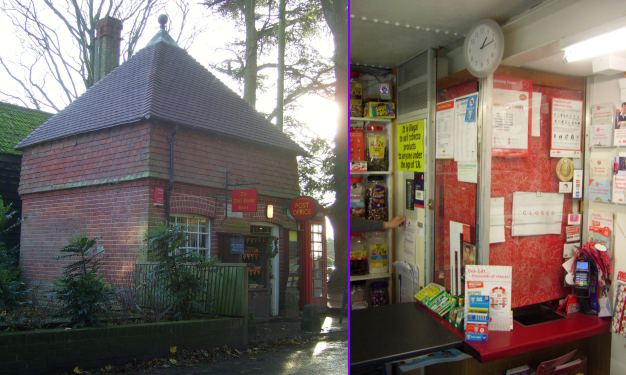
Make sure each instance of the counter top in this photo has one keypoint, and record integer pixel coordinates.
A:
(395, 332)
(524, 339)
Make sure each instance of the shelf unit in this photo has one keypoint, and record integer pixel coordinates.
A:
(388, 176)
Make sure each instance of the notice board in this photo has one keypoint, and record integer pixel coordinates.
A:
(536, 260)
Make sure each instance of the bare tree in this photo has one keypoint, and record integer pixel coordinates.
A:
(59, 37)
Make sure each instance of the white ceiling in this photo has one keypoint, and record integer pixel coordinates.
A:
(387, 33)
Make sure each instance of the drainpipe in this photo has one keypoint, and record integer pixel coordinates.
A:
(170, 177)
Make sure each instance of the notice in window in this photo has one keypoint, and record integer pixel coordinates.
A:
(566, 128)
(465, 130)
(444, 130)
(511, 116)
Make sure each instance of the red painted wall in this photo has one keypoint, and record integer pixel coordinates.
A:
(536, 260)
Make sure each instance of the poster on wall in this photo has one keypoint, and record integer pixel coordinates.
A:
(411, 146)
(495, 282)
(537, 213)
(511, 116)
(444, 130)
(601, 132)
(465, 129)
(599, 183)
(619, 134)
(566, 133)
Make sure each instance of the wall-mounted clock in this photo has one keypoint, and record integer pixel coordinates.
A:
(483, 48)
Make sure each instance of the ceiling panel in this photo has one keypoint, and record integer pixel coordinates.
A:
(388, 33)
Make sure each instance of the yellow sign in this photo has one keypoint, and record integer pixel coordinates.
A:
(411, 146)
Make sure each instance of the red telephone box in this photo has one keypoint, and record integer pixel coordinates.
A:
(313, 251)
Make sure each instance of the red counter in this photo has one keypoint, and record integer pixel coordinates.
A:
(524, 339)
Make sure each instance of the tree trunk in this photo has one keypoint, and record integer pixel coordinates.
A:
(280, 84)
(250, 73)
(335, 13)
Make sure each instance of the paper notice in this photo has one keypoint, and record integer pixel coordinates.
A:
(467, 171)
(601, 132)
(496, 230)
(536, 115)
(465, 132)
(537, 213)
(444, 130)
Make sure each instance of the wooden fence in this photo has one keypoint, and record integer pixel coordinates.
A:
(223, 288)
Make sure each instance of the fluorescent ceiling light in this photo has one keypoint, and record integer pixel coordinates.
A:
(603, 44)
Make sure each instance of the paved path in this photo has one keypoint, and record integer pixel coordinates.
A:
(280, 348)
(322, 355)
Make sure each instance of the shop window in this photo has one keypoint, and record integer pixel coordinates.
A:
(197, 235)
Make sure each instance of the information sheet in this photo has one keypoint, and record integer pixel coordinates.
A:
(537, 213)
(495, 282)
(511, 110)
(601, 132)
(467, 171)
(536, 114)
(496, 220)
(444, 130)
(565, 140)
(465, 130)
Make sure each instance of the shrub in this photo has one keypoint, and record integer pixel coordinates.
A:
(179, 281)
(82, 291)
(12, 289)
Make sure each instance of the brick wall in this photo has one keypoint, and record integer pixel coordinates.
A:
(106, 156)
(117, 214)
(203, 159)
(100, 184)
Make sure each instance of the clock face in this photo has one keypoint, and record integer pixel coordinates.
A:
(483, 48)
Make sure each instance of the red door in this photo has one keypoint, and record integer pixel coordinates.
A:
(314, 282)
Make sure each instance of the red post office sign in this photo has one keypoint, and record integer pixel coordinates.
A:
(303, 208)
(244, 200)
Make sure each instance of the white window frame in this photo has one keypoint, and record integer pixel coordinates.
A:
(182, 221)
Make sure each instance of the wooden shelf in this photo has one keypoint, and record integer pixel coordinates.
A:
(381, 173)
(370, 276)
(371, 119)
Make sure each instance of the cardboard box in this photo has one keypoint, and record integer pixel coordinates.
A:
(356, 107)
(380, 110)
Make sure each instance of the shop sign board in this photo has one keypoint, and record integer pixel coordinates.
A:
(303, 208)
(158, 196)
(244, 200)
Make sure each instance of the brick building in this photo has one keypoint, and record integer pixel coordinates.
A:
(159, 125)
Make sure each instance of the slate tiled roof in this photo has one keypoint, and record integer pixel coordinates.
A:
(16, 123)
(162, 82)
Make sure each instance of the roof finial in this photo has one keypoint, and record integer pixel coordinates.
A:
(163, 21)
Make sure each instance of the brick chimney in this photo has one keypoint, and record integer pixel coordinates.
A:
(107, 56)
